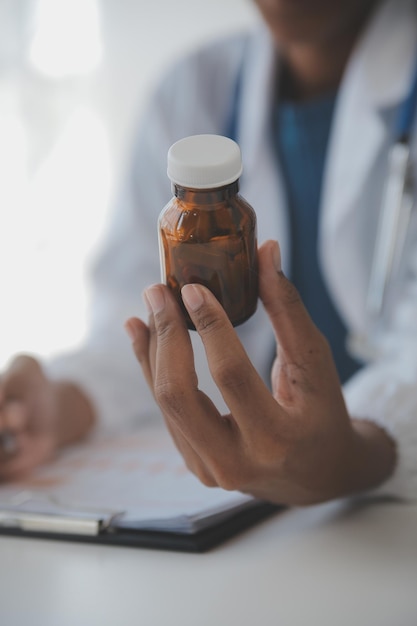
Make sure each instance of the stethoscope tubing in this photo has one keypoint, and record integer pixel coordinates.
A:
(392, 227)
(394, 218)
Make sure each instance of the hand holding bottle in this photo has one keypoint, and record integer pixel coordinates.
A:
(296, 445)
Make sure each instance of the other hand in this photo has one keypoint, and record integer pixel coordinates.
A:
(37, 416)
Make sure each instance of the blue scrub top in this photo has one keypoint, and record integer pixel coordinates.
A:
(302, 132)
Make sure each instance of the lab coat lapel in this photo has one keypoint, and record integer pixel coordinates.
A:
(357, 138)
(378, 77)
(261, 178)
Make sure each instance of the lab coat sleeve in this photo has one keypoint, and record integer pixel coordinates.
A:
(386, 394)
(104, 366)
(385, 391)
(193, 96)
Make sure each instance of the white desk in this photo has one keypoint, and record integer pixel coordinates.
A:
(324, 566)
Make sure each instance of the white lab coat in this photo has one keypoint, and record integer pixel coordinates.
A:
(195, 97)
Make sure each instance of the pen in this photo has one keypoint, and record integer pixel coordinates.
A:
(8, 442)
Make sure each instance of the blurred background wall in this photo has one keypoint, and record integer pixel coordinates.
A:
(74, 75)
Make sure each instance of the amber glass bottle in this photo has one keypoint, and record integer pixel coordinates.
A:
(207, 232)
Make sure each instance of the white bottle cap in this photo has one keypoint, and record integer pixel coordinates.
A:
(204, 161)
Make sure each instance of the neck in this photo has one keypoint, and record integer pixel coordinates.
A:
(310, 72)
(314, 68)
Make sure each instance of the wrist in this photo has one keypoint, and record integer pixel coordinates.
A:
(373, 456)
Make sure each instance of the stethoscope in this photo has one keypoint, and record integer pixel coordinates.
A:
(396, 207)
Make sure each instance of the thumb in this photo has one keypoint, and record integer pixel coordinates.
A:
(294, 329)
(24, 371)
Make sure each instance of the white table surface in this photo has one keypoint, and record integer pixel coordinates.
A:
(331, 565)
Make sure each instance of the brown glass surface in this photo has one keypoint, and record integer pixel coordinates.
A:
(209, 237)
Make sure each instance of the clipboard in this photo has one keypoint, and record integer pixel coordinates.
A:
(132, 491)
(197, 542)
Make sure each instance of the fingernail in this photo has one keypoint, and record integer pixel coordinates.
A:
(131, 330)
(276, 257)
(192, 297)
(155, 299)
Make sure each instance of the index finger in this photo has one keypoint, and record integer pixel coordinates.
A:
(242, 388)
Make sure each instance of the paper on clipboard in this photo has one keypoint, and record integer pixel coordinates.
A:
(136, 481)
